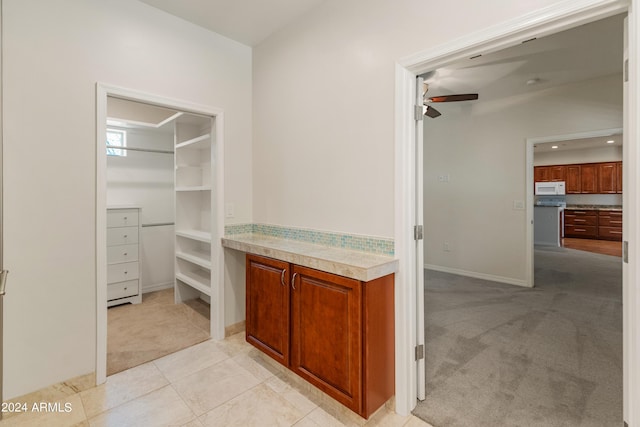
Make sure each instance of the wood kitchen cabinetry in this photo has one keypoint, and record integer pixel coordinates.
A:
(587, 178)
(333, 331)
(593, 224)
(581, 223)
(610, 225)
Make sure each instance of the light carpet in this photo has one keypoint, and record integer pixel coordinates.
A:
(502, 355)
(139, 333)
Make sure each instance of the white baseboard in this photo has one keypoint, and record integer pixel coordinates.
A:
(156, 287)
(476, 275)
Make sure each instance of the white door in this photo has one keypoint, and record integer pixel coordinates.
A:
(421, 382)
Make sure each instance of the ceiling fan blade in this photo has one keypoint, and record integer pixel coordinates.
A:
(432, 112)
(454, 98)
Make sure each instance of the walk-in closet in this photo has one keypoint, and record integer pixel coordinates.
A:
(158, 189)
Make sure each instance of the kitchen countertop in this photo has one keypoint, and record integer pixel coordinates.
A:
(596, 207)
(343, 262)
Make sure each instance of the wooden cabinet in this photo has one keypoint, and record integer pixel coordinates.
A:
(593, 224)
(587, 178)
(549, 173)
(335, 332)
(541, 174)
(267, 326)
(610, 225)
(607, 178)
(581, 223)
(572, 184)
(619, 177)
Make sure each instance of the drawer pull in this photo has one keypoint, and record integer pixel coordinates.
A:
(615, 232)
(580, 229)
(615, 222)
(580, 220)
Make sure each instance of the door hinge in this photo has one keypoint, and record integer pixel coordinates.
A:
(418, 233)
(625, 252)
(418, 113)
(420, 352)
(626, 70)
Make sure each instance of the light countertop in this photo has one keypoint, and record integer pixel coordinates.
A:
(343, 262)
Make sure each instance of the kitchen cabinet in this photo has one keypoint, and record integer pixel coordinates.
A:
(572, 184)
(607, 178)
(549, 173)
(586, 178)
(589, 178)
(619, 177)
(581, 223)
(593, 224)
(541, 174)
(335, 332)
(610, 225)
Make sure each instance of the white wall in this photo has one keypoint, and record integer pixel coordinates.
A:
(324, 106)
(145, 179)
(585, 155)
(481, 146)
(54, 53)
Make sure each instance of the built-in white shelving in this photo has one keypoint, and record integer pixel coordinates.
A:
(193, 188)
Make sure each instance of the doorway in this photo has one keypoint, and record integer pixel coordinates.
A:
(158, 211)
(553, 19)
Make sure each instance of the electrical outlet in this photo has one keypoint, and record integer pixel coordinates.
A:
(443, 178)
(446, 246)
(518, 205)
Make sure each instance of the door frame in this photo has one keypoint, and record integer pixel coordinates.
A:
(217, 285)
(545, 21)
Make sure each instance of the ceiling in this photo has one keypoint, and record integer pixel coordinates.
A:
(582, 53)
(246, 21)
(580, 143)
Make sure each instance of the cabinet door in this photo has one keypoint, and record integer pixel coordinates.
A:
(326, 340)
(607, 177)
(619, 177)
(268, 306)
(541, 174)
(589, 179)
(573, 179)
(557, 173)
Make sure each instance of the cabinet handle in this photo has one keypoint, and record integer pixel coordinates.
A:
(615, 232)
(615, 222)
(284, 270)
(293, 281)
(580, 229)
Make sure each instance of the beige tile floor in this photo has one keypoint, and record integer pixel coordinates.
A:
(226, 383)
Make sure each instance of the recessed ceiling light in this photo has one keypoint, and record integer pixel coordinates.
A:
(554, 146)
(611, 141)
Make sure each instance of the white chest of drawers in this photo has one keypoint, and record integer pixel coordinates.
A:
(123, 256)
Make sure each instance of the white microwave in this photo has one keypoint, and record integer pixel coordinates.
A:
(556, 188)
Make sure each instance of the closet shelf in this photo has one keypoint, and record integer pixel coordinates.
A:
(201, 258)
(197, 280)
(199, 143)
(194, 188)
(199, 235)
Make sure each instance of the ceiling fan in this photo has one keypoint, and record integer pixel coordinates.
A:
(432, 112)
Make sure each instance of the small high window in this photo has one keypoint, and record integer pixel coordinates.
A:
(116, 138)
